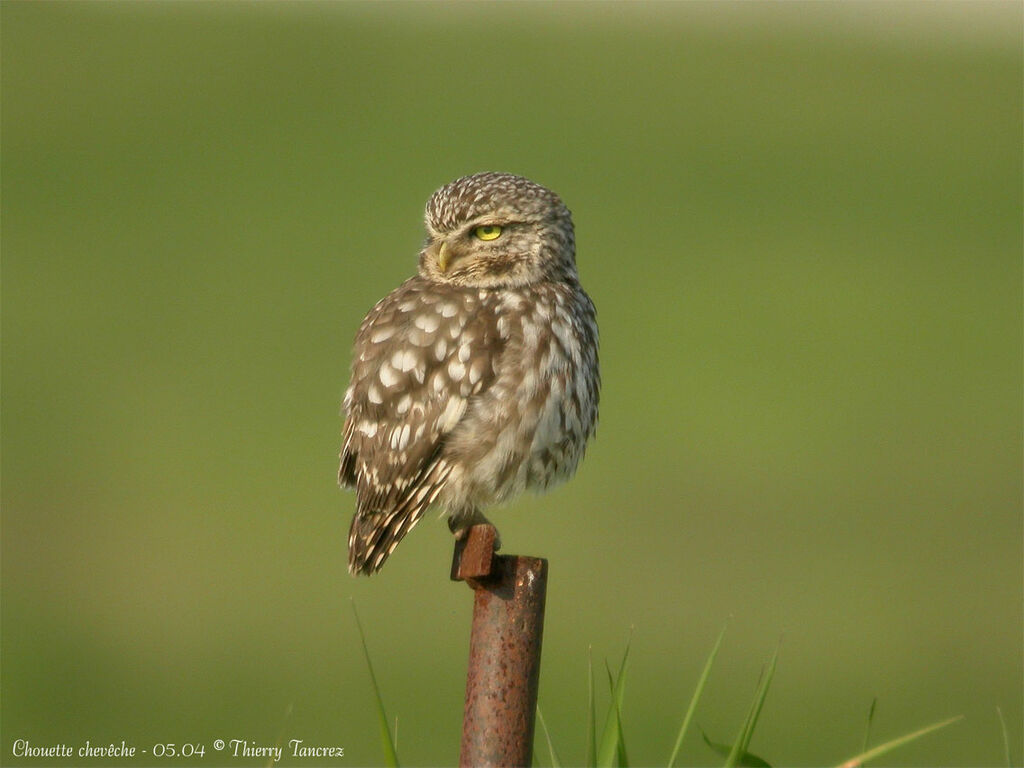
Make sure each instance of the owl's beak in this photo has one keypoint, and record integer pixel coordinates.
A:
(444, 257)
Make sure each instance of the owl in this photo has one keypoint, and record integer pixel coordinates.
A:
(477, 378)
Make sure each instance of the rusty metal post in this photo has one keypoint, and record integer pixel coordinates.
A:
(504, 650)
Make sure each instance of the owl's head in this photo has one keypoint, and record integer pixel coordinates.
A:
(496, 230)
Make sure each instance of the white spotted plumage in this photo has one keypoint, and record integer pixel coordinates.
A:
(476, 379)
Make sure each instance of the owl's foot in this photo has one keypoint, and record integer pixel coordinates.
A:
(459, 525)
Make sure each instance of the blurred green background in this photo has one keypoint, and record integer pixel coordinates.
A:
(801, 225)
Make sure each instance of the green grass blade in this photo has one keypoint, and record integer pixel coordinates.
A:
(760, 699)
(623, 758)
(591, 717)
(739, 748)
(620, 695)
(867, 728)
(889, 746)
(611, 752)
(387, 743)
(608, 748)
(618, 691)
(1006, 739)
(747, 760)
(555, 762)
(701, 682)
(280, 736)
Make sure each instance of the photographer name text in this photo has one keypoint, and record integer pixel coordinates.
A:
(241, 748)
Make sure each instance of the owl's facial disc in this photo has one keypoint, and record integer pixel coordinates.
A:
(449, 252)
(457, 246)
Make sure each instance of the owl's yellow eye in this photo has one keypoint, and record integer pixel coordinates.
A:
(489, 232)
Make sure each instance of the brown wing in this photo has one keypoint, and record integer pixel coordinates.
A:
(412, 378)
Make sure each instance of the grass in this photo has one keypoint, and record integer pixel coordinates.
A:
(556, 761)
(867, 727)
(613, 743)
(698, 691)
(386, 740)
(889, 746)
(1006, 739)
(609, 751)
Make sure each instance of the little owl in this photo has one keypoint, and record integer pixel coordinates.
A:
(477, 378)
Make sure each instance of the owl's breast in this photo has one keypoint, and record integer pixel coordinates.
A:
(529, 429)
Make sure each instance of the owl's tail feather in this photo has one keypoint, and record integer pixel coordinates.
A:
(373, 536)
(374, 533)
